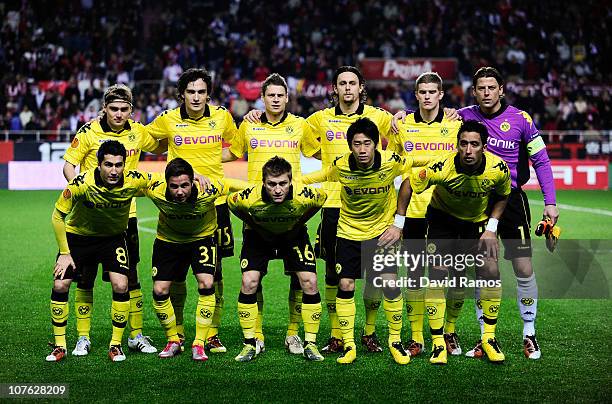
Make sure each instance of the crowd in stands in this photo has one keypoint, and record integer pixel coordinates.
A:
(56, 64)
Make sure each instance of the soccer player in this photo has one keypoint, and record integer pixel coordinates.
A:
(427, 133)
(89, 222)
(466, 183)
(513, 137)
(186, 236)
(369, 200)
(275, 215)
(114, 124)
(278, 133)
(195, 132)
(329, 127)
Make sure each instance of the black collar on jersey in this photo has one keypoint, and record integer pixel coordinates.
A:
(266, 198)
(264, 119)
(461, 170)
(192, 198)
(377, 162)
(418, 118)
(504, 106)
(185, 115)
(359, 111)
(106, 127)
(100, 183)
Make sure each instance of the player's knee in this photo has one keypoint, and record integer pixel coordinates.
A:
(490, 271)
(119, 284)
(205, 282)
(522, 267)
(61, 285)
(249, 283)
(346, 284)
(309, 284)
(161, 288)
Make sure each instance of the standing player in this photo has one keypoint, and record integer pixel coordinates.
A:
(114, 124)
(186, 236)
(329, 128)
(369, 200)
(278, 133)
(466, 183)
(195, 132)
(89, 222)
(514, 138)
(425, 133)
(275, 216)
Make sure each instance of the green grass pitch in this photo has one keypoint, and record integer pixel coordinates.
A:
(574, 334)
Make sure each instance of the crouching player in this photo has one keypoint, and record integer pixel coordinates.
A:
(89, 222)
(275, 216)
(185, 237)
(465, 181)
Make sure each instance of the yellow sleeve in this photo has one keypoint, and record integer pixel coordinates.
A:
(79, 147)
(312, 137)
(66, 200)
(309, 145)
(147, 142)
(405, 166)
(385, 124)
(239, 146)
(422, 179)
(238, 202)
(320, 198)
(503, 184)
(158, 128)
(232, 184)
(59, 228)
(230, 128)
(318, 176)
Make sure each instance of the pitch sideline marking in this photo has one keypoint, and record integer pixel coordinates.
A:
(603, 212)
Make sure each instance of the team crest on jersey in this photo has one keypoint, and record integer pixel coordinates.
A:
(382, 176)
(289, 129)
(505, 126)
(132, 137)
(67, 194)
(212, 124)
(75, 143)
(444, 131)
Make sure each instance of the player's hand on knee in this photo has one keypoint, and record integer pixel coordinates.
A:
(488, 240)
(552, 212)
(64, 261)
(253, 116)
(390, 236)
(451, 114)
(399, 116)
(205, 182)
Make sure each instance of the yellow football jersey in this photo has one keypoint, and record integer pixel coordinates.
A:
(94, 210)
(277, 218)
(463, 195)
(369, 198)
(200, 141)
(188, 221)
(421, 139)
(329, 128)
(264, 140)
(84, 147)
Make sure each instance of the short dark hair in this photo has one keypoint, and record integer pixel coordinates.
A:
(191, 75)
(351, 69)
(275, 166)
(474, 126)
(112, 147)
(428, 77)
(488, 71)
(274, 79)
(178, 166)
(365, 126)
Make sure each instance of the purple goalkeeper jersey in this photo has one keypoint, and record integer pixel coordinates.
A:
(514, 137)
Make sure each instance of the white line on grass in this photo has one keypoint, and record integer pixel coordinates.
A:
(562, 206)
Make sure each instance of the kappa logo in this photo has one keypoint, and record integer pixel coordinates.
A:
(343, 323)
(307, 193)
(494, 308)
(431, 310)
(438, 166)
(162, 316)
(505, 126)
(244, 314)
(120, 318)
(502, 167)
(58, 311)
(527, 301)
(316, 316)
(83, 310)
(205, 313)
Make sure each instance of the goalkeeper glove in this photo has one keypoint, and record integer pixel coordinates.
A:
(550, 231)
